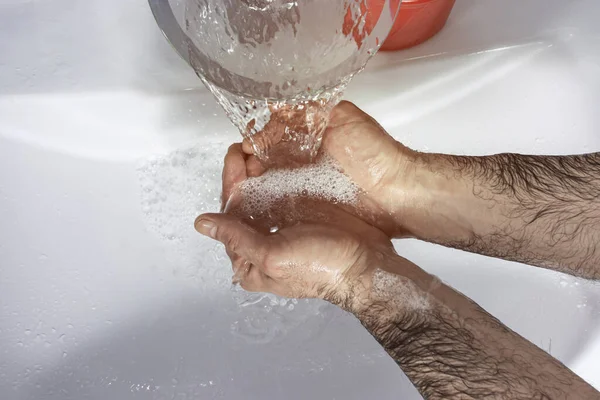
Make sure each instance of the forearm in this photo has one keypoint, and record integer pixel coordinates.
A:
(540, 210)
(450, 348)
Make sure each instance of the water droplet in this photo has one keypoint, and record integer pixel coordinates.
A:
(563, 283)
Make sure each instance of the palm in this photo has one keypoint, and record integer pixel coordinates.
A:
(327, 259)
(315, 260)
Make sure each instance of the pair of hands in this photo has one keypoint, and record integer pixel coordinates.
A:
(332, 260)
(457, 201)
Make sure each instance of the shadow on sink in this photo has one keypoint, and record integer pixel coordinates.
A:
(186, 348)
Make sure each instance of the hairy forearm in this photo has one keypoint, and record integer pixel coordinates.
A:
(450, 348)
(541, 210)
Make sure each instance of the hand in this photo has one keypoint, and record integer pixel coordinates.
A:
(376, 162)
(288, 138)
(332, 261)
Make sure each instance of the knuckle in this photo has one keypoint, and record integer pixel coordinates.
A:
(346, 112)
(344, 108)
(345, 105)
(234, 148)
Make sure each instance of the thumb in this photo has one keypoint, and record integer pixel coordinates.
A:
(237, 237)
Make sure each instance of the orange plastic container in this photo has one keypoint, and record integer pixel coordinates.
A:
(417, 21)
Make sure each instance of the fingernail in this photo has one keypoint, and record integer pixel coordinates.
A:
(206, 228)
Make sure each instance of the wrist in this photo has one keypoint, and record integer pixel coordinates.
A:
(436, 199)
(392, 284)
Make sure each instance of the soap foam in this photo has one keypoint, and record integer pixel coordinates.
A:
(322, 181)
(398, 291)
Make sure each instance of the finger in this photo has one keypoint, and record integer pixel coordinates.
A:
(254, 280)
(247, 146)
(234, 170)
(268, 137)
(238, 265)
(242, 270)
(254, 167)
(237, 237)
(236, 260)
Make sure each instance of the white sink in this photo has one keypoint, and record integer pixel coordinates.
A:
(110, 146)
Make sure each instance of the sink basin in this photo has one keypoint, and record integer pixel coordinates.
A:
(110, 146)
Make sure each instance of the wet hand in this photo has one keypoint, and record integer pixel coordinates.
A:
(308, 260)
(379, 165)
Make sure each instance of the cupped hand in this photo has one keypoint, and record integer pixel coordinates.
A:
(379, 165)
(308, 260)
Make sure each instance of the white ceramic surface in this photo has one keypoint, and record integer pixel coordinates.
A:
(109, 146)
